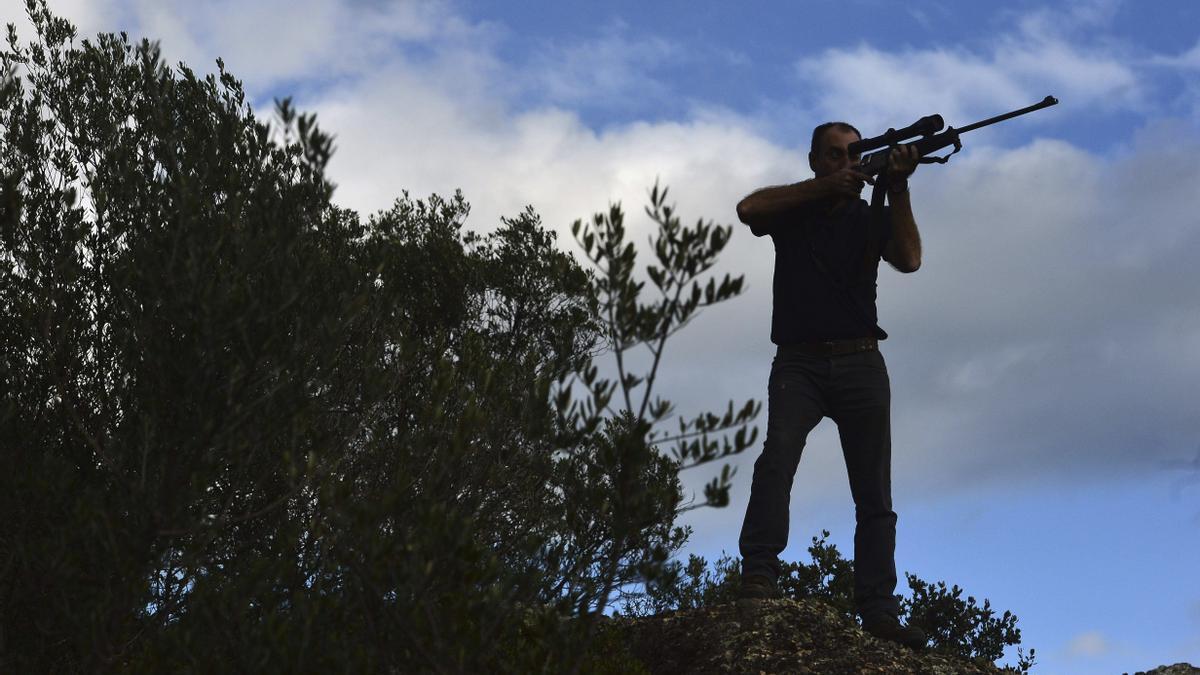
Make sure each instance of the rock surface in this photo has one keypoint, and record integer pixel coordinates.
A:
(776, 636)
(1177, 669)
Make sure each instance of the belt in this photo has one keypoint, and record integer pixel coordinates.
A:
(833, 347)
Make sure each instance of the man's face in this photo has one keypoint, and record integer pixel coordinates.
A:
(831, 152)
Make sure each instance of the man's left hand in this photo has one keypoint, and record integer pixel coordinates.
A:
(902, 162)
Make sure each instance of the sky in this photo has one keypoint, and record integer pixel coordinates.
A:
(1045, 359)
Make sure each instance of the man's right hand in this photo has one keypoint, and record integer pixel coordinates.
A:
(845, 182)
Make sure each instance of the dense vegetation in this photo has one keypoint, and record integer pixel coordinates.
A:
(240, 425)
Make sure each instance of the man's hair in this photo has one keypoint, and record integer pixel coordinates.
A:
(820, 132)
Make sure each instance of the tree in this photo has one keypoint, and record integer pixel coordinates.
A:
(242, 425)
(683, 255)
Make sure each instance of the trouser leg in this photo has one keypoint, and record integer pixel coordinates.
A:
(861, 407)
(795, 404)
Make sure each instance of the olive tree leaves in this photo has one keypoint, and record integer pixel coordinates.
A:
(682, 282)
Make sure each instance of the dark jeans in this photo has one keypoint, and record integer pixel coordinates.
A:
(854, 391)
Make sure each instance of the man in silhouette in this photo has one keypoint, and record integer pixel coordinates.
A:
(828, 243)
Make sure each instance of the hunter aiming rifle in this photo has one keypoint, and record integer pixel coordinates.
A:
(875, 164)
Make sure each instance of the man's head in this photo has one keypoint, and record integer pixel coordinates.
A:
(828, 152)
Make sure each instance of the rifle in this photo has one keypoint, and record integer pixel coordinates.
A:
(875, 164)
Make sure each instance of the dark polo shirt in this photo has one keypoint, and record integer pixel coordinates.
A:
(809, 305)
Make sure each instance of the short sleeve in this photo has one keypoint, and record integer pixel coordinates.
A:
(767, 226)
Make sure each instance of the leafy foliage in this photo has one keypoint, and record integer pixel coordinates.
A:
(683, 255)
(244, 426)
(963, 628)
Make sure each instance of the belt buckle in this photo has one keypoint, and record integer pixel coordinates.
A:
(830, 347)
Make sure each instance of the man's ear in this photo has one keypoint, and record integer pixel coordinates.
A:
(812, 162)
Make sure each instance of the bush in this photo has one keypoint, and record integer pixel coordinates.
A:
(958, 628)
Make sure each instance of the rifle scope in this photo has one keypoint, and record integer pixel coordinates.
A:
(926, 126)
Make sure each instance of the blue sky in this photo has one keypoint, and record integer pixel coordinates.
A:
(1045, 361)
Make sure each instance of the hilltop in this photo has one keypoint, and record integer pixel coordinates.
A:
(775, 636)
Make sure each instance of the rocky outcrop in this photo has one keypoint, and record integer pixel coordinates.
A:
(1177, 669)
(776, 636)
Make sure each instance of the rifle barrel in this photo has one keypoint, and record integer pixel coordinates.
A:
(874, 163)
(1045, 103)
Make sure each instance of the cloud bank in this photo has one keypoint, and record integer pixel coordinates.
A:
(1052, 330)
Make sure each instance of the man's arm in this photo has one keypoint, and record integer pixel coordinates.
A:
(903, 249)
(760, 206)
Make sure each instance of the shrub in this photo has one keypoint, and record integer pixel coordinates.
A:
(963, 629)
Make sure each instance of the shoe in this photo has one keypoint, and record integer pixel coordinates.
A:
(758, 587)
(887, 627)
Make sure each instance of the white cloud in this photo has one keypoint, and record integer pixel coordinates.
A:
(1188, 60)
(272, 41)
(1088, 644)
(876, 89)
(610, 70)
(1073, 18)
(1050, 329)
(983, 371)
(88, 16)
(401, 128)
(1067, 261)
(261, 41)
(1091, 77)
